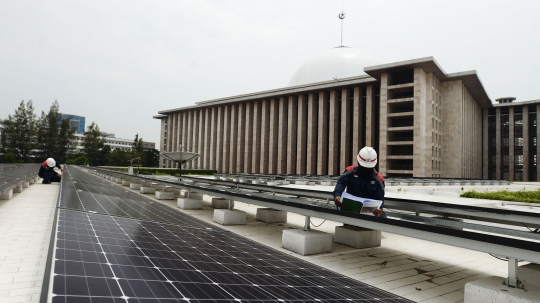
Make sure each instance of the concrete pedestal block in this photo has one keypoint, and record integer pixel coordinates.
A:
(173, 190)
(492, 290)
(7, 194)
(272, 183)
(192, 195)
(229, 217)
(119, 181)
(135, 186)
(270, 215)
(18, 189)
(26, 184)
(186, 203)
(126, 183)
(157, 186)
(326, 183)
(301, 182)
(164, 195)
(306, 242)
(219, 203)
(255, 182)
(529, 274)
(208, 198)
(32, 181)
(147, 190)
(358, 237)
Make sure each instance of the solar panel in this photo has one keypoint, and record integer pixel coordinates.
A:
(101, 257)
(13, 174)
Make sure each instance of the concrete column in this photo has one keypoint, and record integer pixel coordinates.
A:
(265, 137)
(333, 134)
(420, 104)
(219, 141)
(248, 146)
(256, 157)
(169, 137)
(213, 138)
(282, 136)
(301, 144)
(174, 144)
(357, 121)
(345, 158)
(511, 144)
(292, 135)
(207, 137)
(322, 135)
(485, 143)
(200, 147)
(526, 156)
(370, 121)
(498, 143)
(537, 143)
(241, 134)
(226, 138)
(233, 148)
(311, 153)
(274, 130)
(195, 148)
(179, 131)
(162, 139)
(189, 146)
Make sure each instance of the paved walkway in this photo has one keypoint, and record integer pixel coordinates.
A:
(25, 229)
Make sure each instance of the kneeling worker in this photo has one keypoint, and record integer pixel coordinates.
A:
(47, 173)
(362, 180)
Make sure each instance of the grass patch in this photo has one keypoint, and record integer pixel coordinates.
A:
(527, 196)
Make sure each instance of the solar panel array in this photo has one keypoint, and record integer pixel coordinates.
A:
(13, 174)
(117, 246)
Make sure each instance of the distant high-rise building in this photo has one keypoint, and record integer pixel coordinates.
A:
(77, 122)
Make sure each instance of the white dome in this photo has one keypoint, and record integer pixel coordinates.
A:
(340, 62)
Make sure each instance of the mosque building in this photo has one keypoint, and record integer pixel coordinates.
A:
(422, 121)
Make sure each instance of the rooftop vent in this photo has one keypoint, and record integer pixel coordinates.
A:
(505, 100)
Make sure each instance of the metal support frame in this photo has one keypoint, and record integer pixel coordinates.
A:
(513, 280)
(306, 223)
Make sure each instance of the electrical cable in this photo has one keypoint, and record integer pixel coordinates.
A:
(319, 224)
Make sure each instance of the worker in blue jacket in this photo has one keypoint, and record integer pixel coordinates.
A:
(362, 180)
(47, 172)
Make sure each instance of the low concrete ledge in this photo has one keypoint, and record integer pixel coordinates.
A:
(492, 290)
(358, 237)
(136, 186)
(164, 195)
(26, 184)
(7, 194)
(306, 242)
(147, 190)
(229, 217)
(186, 203)
(270, 215)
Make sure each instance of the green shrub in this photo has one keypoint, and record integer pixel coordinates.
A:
(164, 171)
(527, 196)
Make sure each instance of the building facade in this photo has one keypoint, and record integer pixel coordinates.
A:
(422, 121)
(77, 122)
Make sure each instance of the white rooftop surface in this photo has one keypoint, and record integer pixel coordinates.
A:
(419, 270)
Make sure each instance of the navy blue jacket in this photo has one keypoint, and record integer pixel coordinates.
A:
(370, 187)
(44, 168)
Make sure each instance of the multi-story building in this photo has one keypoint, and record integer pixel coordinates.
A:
(422, 121)
(77, 122)
(114, 143)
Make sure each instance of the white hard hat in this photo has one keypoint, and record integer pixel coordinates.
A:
(367, 157)
(50, 162)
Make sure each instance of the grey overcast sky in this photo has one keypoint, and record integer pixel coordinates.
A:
(119, 62)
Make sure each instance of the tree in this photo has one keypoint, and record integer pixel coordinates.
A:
(55, 137)
(151, 158)
(137, 144)
(18, 132)
(119, 157)
(93, 143)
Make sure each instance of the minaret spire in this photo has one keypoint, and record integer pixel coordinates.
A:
(341, 16)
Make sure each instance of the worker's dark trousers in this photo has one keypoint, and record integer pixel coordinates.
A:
(49, 177)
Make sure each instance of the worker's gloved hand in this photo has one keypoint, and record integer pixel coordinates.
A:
(337, 201)
(378, 212)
